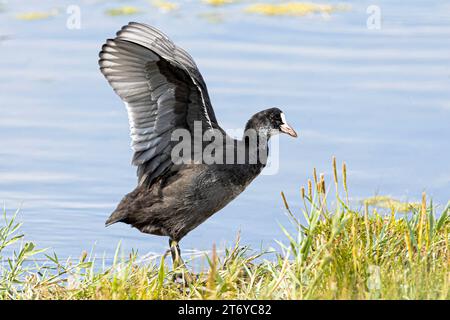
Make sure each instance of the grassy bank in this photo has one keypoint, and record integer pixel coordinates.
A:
(400, 251)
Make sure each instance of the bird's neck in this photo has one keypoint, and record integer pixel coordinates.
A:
(256, 143)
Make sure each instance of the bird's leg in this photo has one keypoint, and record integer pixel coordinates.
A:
(178, 262)
(176, 254)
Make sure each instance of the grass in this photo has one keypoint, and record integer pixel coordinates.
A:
(339, 253)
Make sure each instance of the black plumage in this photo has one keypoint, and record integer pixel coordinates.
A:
(164, 91)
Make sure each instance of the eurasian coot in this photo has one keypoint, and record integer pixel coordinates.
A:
(164, 92)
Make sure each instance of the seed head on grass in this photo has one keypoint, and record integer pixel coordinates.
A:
(335, 171)
(344, 180)
(322, 188)
(309, 189)
(316, 182)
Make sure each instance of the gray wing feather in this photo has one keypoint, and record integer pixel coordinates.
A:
(162, 90)
(157, 41)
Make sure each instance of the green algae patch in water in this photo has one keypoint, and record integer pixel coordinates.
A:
(36, 15)
(294, 9)
(165, 5)
(123, 11)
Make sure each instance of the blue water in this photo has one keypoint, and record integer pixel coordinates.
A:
(377, 99)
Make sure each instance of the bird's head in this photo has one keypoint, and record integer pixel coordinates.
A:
(270, 122)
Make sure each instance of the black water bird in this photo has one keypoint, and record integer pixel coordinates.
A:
(163, 91)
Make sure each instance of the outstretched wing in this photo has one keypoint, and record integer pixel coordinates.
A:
(162, 90)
